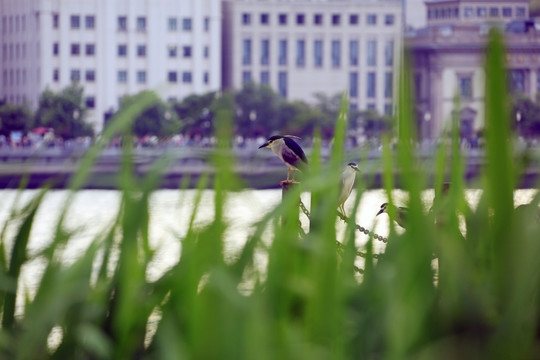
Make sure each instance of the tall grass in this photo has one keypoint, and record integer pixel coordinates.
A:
(437, 292)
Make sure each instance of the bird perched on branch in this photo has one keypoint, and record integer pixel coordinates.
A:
(347, 183)
(289, 152)
(402, 213)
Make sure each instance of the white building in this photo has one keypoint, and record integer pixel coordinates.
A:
(303, 47)
(112, 47)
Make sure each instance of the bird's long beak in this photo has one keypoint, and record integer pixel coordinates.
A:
(380, 212)
(264, 145)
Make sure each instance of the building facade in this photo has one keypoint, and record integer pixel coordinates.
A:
(448, 58)
(113, 48)
(301, 48)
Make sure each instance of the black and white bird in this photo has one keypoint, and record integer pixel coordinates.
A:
(401, 213)
(288, 151)
(347, 183)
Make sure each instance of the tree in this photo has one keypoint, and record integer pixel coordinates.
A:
(258, 110)
(14, 118)
(64, 112)
(526, 116)
(196, 113)
(157, 119)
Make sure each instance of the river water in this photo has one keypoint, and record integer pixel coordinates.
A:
(170, 210)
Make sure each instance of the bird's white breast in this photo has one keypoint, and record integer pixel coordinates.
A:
(347, 178)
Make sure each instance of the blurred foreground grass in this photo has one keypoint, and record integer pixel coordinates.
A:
(435, 293)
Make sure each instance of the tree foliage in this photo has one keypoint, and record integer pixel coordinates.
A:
(157, 119)
(526, 116)
(14, 118)
(64, 112)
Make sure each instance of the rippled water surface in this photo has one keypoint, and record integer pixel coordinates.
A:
(170, 210)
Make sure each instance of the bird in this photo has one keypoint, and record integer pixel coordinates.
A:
(402, 213)
(289, 152)
(347, 182)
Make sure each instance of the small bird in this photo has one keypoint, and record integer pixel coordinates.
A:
(347, 182)
(289, 152)
(402, 213)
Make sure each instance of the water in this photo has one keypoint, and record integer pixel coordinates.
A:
(170, 211)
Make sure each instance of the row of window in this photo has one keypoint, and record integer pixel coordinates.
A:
(13, 24)
(122, 76)
(317, 19)
(479, 12)
(14, 77)
(13, 51)
(371, 84)
(516, 82)
(318, 52)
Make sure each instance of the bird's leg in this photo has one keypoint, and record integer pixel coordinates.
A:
(293, 173)
(288, 174)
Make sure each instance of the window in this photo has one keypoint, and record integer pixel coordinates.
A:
(282, 83)
(122, 76)
(55, 51)
(56, 75)
(465, 87)
(246, 52)
(141, 50)
(371, 19)
(537, 81)
(186, 24)
(336, 53)
(206, 77)
(507, 12)
(517, 81)
(75, 75)
(353, 84)
(353, 52)
(469, 12)
(172, 24)
(353, 19)
(282, 19)
(388, 109)
(494, 12)
(372, 52)
(122, 50)
(206, 52)
(388, 85)
(246, 18)
(206, 24)
(56, 20)
(389, 53)
(75, 21)
(122, 23)
(481, 12)
(318, 53)
(265, 51)
(282, 55)
(370, 90)
(186, 51)
(172, 51)
(90, 21)
(300, 19)
(318, 19)
(520, 12)
(90, 49)
(90, 102)
(172, 76)
(300, 53)
(265, 19)
(186, 77)
(141, 23)
(389, 19)
(141, 77)
(75, 49)
(90, 75)
(336, 19)
(265, 77)
(246, 77)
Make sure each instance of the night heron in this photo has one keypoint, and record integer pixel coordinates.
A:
(347, 183)
(401, 213)
(288, 151)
